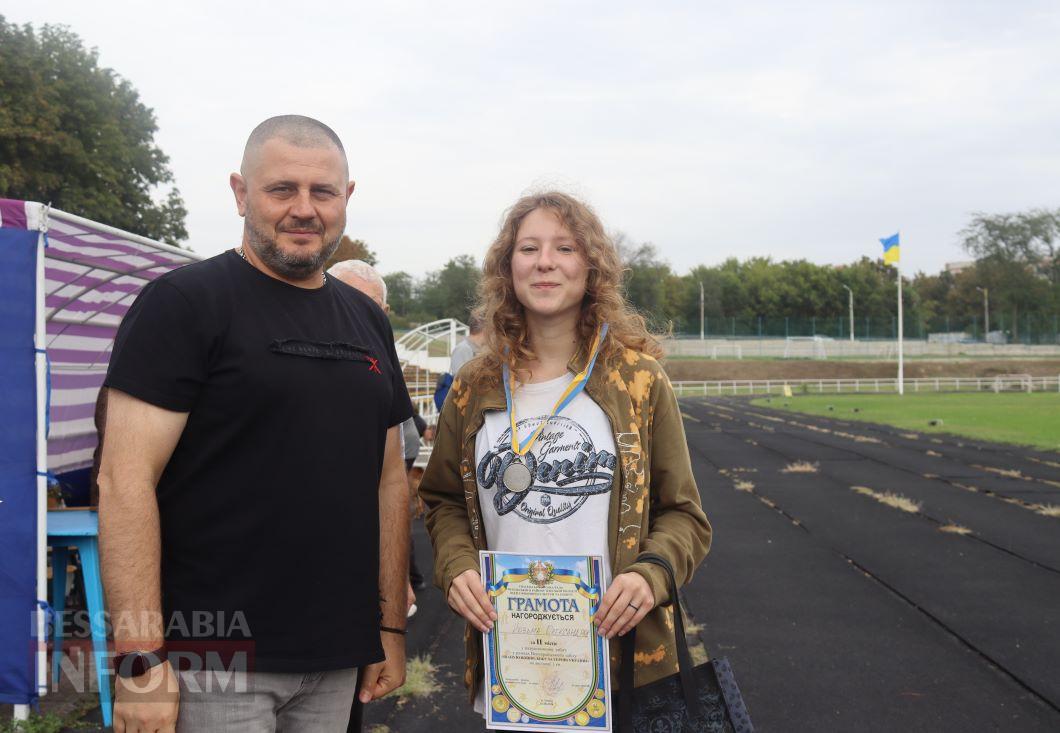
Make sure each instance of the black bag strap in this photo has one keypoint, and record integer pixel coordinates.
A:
(684, 658)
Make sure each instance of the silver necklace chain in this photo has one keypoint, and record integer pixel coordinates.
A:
(240, 251)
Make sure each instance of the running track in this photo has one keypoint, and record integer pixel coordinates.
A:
(840, 613)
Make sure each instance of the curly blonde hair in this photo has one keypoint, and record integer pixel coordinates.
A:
(503, 316)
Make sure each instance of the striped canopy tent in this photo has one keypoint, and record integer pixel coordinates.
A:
(65, 283)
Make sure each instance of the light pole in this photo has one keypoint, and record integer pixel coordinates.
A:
(701, 310)
(851, 292)
(986, 311)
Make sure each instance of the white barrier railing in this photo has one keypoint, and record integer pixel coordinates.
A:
(1021, 383)
(429, 346)
(825, 348)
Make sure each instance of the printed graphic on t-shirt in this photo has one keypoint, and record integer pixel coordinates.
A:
(565, 468)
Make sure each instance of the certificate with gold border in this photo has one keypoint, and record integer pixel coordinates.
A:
(546, 668)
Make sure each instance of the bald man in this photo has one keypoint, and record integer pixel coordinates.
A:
(251, 454)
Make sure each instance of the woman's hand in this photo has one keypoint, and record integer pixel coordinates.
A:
(467, 598)
(626, 602)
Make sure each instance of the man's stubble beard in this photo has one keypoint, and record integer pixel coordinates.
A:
(282, 263)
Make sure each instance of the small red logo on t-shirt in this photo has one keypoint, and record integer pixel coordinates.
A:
(373, 365)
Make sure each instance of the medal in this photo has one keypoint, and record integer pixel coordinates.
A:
(517, 477)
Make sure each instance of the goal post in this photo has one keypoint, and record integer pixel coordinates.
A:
(805, 347)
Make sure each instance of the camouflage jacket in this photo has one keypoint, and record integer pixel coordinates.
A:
(655, 505)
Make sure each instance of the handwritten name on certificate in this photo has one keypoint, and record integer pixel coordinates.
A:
(546, 667)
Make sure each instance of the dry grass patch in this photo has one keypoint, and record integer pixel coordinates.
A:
(1006, 472)
(860, 438)
(736, 469)
(744, 486)
(698, 652)
(1048, 510)
(910, 436)
(1054, 464)
(766, 417)
(889, 498)
(695, 648)
(955, 529)
(801, 467)
(933, 454)
(421, 678)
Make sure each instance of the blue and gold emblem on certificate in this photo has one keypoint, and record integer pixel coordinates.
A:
(546, 667)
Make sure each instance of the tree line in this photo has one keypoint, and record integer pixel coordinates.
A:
(1015, 260)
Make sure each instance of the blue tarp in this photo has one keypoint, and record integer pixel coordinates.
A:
(18, 467)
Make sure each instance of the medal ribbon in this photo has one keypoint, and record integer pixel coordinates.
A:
(573, 390)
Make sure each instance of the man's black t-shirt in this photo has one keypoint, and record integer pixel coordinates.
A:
(269, 504)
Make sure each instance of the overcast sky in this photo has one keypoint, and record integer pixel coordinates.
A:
(713, 130)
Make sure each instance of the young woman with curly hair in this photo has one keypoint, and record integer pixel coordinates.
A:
(608, 474)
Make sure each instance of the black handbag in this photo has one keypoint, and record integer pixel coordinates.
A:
(695, 700)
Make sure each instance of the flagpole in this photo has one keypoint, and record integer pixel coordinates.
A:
(901, 362)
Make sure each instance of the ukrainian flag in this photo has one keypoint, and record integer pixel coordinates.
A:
(891, 250)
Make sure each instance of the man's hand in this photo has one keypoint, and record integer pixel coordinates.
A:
(386, 676)
(149, 702)
(626, 602)
(467, 598)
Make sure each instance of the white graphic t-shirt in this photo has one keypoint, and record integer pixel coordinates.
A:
(564, 510)
(572, 463)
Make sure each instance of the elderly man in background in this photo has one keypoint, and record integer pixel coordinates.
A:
(362, 276)
(239, 512)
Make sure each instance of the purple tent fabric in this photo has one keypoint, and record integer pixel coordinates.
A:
(92, 274)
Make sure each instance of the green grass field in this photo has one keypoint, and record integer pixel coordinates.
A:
(1020, 418)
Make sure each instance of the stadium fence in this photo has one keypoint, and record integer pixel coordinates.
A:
(1006, 383)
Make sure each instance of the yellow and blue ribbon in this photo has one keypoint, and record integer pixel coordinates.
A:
(573, 390)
